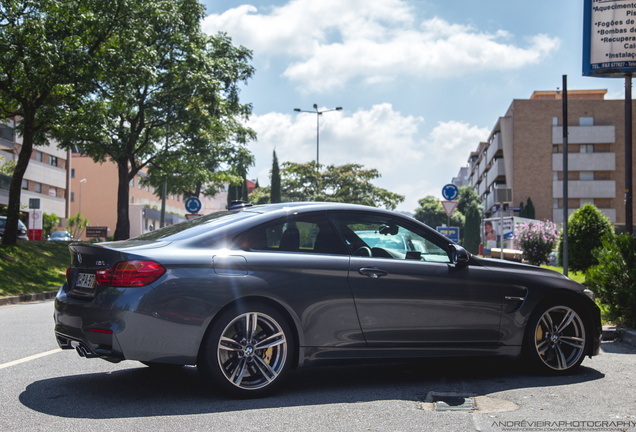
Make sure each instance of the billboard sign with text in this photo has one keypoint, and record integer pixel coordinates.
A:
(609, 38)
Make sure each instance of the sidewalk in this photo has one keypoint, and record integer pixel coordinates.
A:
(626, 336)
(27, 298)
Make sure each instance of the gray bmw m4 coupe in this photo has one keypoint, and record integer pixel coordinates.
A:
(249, 293)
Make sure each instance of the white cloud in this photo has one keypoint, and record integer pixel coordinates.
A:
(380, 138)
(371, 40)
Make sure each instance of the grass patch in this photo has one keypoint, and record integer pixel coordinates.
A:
(575, 276)
(32, 267)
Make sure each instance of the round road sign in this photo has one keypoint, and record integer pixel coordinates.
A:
(450, 192)
(193, 204)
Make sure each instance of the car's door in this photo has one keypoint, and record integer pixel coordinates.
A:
(301, 260)
(417, 298)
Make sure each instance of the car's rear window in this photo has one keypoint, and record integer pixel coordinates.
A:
(196, 226)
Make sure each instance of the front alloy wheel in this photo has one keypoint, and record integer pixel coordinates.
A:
(559, 339)
(251, 351)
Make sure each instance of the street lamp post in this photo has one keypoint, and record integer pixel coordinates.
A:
(318, 114)
(80, 197)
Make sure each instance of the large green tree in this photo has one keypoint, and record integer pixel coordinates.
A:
(164, 77)
(51, 53)
(350, 183)
(467, 198)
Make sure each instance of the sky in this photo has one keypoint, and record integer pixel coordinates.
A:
(421, 82)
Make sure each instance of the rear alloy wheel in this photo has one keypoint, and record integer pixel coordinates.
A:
(557, 338)
(247, 352)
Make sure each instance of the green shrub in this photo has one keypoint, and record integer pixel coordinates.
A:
(613, 279)
(472, 229)
(586, 228)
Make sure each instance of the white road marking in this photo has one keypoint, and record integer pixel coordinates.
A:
(26, 359)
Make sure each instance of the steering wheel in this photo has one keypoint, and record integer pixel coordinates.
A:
(365, 249)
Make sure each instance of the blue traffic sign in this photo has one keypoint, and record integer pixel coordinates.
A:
(193, 204)
(451, 233)
(450, 192)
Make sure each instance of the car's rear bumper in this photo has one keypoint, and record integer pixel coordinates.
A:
(117, 325)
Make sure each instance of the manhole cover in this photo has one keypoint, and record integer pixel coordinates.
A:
(465, 402)
(451, 401)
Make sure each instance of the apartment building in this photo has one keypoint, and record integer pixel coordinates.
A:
(462, 177)
(524, 153)
(46, 177)
(94, 194)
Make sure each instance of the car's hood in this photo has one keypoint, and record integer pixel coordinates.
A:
(509, 265)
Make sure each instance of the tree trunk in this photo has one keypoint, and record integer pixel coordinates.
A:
(122, 231)
(10, 236)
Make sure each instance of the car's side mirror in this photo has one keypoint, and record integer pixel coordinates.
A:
(459, 255)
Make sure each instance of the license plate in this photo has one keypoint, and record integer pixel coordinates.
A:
(85, 280)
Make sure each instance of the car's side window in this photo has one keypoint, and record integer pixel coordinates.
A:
(377, 236)
(310, 233)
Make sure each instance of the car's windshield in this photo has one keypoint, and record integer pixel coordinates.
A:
(59, 234)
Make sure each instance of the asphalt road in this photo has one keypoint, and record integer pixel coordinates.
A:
(59, 391)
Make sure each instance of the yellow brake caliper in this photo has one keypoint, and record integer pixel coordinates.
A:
(539, 334)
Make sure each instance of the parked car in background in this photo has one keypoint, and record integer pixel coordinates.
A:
(23, 233)
(60, 236)
(248, 293)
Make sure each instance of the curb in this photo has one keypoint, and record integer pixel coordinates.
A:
(629, 337)
(626, 336)
(27, 298)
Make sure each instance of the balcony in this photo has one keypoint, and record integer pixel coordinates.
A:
(482, 188)
(497, 172)
(482, 166)
(585, 189)
(585, 134)
(496, 147)
(585, 161)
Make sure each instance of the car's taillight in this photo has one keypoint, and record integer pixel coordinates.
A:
(130, 274)
(68, 270)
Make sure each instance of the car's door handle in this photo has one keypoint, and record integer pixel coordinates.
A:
(372, 272)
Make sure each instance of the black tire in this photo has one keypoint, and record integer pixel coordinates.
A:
(556, 338)
(248, 351)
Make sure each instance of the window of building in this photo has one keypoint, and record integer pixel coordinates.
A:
(53, 160)
(586, 175)
(38, 156)
(147, 188)
(586, 121)
(555, 121)
(177, 197)
(25, 184)
(555, 203)
(38, 187)
(139, 183)
(555, 148)
(132, 182)
(154, 189)
(72, 172)
(555, 175)
(132, 200)
(586, 201)
(586, 148)
(171, 196)
(72, 196)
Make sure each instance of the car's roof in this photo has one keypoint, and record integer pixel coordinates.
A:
(313, 206)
